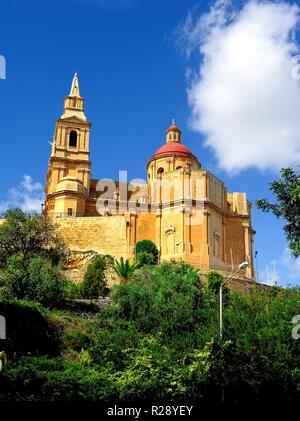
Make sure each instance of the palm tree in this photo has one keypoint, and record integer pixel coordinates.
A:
(124, 269)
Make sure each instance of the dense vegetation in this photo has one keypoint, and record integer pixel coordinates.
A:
(28, 235)
(157, 337)
(30, 255)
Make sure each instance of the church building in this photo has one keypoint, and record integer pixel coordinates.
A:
(183, 208)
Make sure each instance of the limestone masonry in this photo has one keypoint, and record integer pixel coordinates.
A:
(184, 209)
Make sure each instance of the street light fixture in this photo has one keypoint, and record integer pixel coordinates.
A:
(243, 265)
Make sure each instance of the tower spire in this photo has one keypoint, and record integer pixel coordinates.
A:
(75, 91)
(74, 103)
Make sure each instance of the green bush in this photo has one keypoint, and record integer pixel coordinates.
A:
(152, 369)
(40, 281)
(73, 291)
(15, 278)
(74, 339)
(45, 283)
(145, 258)
(94, 284)
(214, 281)
(144, 250)
(159, 339)
(49, 379)
(259, 325)
(112, 340)
(166, 298)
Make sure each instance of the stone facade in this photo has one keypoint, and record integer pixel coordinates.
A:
(184, 209)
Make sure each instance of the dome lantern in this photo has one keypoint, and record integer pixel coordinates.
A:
(173, 133)
(173, 154)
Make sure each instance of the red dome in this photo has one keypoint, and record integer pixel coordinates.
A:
(173, 128)
(172, 148)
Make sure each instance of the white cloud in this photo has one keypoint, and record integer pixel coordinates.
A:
(292, 267)
(283, 271)
(243, 96)
(269, 275)
(27, 196)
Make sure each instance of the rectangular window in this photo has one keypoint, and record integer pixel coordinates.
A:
(70, 211)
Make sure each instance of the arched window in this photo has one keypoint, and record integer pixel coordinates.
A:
(73, 139)
(170, 136)
(160, 170)
(174, 136)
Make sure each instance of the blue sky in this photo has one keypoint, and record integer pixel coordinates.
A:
(133, 76)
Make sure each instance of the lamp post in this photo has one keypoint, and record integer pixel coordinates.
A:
(241, 266)
(256, 261)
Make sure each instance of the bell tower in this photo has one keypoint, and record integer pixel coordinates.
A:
(68, 178)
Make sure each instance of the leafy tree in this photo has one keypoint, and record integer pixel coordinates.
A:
(15, 277)
(146, 252)
(40, 281)
(94, 284)
(124, 269)
(46, 284)
(214, 281)
(287, 192)
(29, 235)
